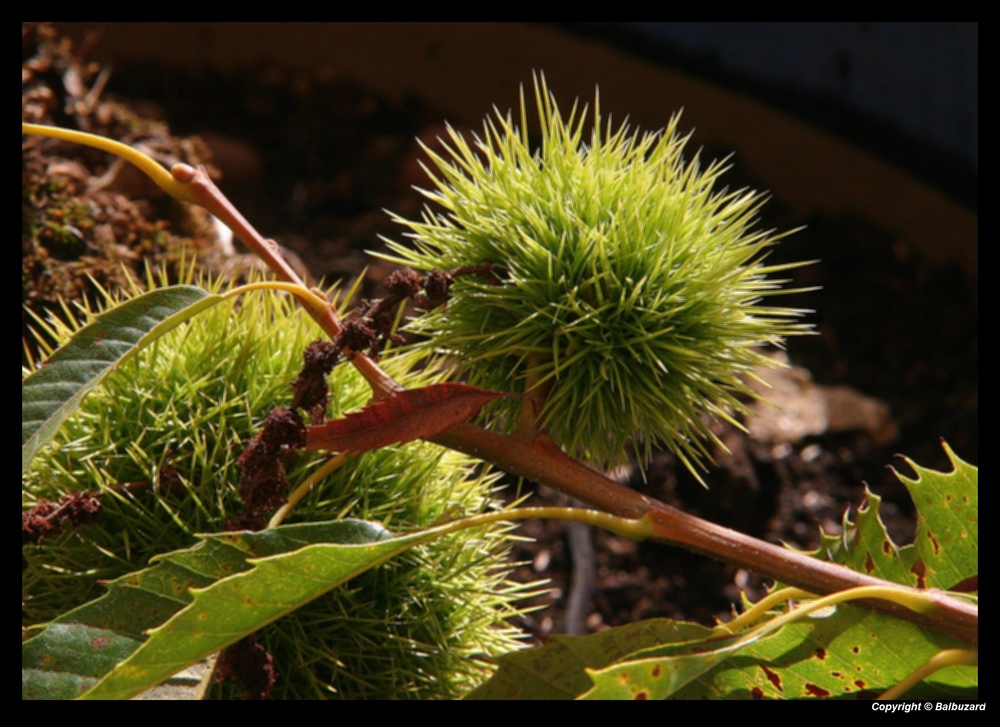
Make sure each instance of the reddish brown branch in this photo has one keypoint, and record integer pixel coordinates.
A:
(204, 193)
(542, 461)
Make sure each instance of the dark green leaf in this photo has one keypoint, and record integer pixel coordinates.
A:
(153, 623)
(53, 392)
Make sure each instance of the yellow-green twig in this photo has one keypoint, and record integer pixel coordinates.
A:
(170, 182)
(948, 657)
(919, 601)
(761, 607)
(309, 298)
(328, 467)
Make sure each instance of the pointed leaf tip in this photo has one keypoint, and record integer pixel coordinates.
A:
(403, 417)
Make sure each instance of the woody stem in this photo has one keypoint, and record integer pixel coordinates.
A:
(205, 193)
(542, 461)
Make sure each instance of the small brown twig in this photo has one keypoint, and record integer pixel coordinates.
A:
(535, 393)
(205, 193)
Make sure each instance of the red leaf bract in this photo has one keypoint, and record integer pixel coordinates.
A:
(403, 417)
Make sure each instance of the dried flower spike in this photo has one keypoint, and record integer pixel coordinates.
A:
(632, 287)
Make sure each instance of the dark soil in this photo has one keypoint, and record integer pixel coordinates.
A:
(312, 161)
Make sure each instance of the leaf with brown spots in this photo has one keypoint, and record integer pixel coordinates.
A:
(402, 417)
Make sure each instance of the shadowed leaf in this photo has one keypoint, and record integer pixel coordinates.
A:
(185, 604)
(558, 669)
(54, 391)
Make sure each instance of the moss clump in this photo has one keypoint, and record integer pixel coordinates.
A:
(178, 416)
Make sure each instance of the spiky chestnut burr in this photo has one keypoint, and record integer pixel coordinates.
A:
(631, 291)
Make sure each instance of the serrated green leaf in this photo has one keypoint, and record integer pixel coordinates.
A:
(68, 656)
(945, 551)
(234, 607)
(75, 651)
(53, 392)
(658, 677)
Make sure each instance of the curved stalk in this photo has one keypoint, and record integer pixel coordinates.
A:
(161, 177)
(948, 657)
